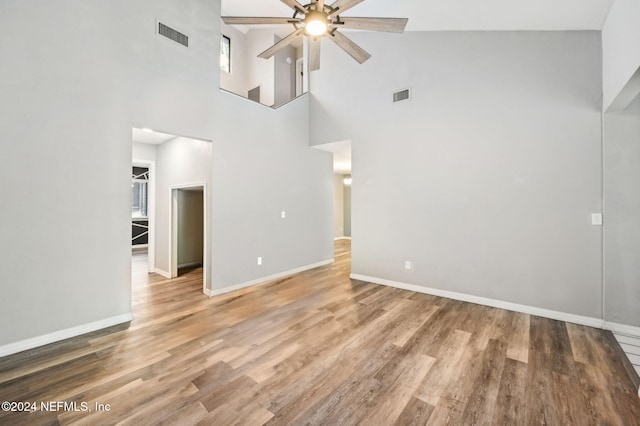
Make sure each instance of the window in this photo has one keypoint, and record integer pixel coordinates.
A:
(225, 54)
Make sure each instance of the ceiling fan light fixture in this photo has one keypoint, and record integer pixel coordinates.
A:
(316, 23)
(317, 20)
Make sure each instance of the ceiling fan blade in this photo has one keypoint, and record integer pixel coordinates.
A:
(281, 44)
(240, 20)
(355, 51)
(314, 54)
(344, 5)
(392, 25)
(293, 4)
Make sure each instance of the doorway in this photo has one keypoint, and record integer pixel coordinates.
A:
(188, 228)
(299, 77)
(346, 205)
(143, 209)
(342, 182)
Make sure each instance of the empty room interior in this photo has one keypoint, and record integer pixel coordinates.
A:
(347, 212)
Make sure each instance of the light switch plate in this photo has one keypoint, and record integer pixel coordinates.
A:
(596, 219)
(283, 214)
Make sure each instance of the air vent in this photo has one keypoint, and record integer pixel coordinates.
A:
(172, 34)
(401, 95)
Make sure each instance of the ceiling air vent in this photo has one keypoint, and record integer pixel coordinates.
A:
(172, 34)
(401, 95)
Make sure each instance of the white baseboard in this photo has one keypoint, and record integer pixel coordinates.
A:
(509, 306)
(162, 273)
(627, 330)
(56, 336)
(341, 238)
(224, 290)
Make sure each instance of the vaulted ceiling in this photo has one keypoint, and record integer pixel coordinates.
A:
(459, 15)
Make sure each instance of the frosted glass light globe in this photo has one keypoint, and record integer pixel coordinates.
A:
(315, 23)
(315, 28)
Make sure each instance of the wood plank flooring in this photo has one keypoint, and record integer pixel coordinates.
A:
(319, 348)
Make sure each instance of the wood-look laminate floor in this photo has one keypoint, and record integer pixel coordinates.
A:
(319, 348)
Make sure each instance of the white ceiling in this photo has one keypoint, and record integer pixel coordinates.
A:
(150, 137)
(341, 155)
(459, 15)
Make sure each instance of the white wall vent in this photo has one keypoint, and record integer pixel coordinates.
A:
(172, 34)
(401, 95)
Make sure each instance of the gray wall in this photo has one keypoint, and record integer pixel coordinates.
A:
(236, 81)
(106, 71)
(284, 73)
(75, 77)
(190, 227)
(487, 177)
(259, 170)
(180, 162)
(73, 99)
(260, 72)
(622, 218)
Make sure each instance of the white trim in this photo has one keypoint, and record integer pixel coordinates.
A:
(627, 330)
(509, 306)
(56, 336)
(224, 290)
(162, 273)
(341, 238)
(603, 233)
(173, 233)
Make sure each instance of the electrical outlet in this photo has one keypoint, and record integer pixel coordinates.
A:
(408, 265)
(283, 214)
(260, 260)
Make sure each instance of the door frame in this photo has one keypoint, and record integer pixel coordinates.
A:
(173, 228)
(300, 77)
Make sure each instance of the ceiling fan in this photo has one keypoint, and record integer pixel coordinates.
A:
(317, 20)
